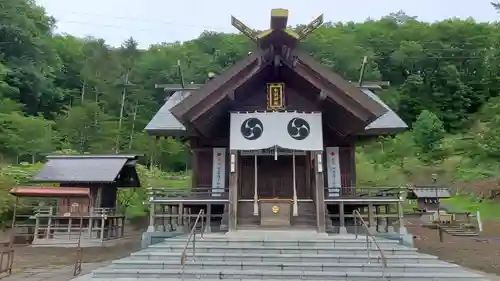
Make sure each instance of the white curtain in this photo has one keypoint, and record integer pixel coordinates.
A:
(290, 130)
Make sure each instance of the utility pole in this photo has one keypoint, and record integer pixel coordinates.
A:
(440, 230)
(170, 88)
(136, 109)
(370, 85)
(362, 71)
(122, 105)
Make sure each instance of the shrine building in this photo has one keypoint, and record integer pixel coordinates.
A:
(273, 141)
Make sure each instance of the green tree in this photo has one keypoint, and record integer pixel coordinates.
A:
(428, 132)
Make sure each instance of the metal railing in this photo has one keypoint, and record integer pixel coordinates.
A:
(192, 236)
(198, 192)
(357, 216)
(362, 192)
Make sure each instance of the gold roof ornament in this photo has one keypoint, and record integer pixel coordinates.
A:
(278, 25)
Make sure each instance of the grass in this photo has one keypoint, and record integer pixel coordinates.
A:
(178, 183)
(490, 210)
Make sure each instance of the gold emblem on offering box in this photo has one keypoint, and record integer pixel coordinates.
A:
(276, 209)
(275, 96)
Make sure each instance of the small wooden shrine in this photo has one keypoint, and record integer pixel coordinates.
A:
(82, 206)
(428, 197)
(273, 141)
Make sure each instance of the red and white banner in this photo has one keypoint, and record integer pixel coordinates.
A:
(333, 171)
(219, 171)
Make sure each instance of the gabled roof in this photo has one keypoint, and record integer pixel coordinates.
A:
(347, 94)
(118, 170)
(428, 191)
(52, 192)
(389, 123)
(249, 64)
(164, 122)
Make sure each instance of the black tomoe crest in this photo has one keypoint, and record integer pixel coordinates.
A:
(298, 128)
(252, 129)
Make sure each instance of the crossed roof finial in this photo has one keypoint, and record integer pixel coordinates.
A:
(278, 30)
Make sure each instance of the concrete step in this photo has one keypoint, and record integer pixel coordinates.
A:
(176, 274)
(284, 258)
(285, 266)
(249, 248)
(325, 242)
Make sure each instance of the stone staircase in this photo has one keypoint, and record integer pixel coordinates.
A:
(282, 255)
(460, 230)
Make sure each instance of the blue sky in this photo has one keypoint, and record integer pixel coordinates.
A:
(154, 21)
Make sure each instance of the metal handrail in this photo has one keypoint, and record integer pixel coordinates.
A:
(192, 234)
(356, 216)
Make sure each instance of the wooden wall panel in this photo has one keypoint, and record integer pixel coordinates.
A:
(205, 165)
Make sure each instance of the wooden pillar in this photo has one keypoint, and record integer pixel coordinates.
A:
(194, 169)
(208, 223)
(371, 222)
(180, 218)
(233, 189)
(91, 222)
(377, 217)
(320, 192)
(70, 222)
(49, 223)
(387, 220)
(174, 219)
(151, 227)
(101, 238)
(168, 212)
(308, 174)
(342, 229)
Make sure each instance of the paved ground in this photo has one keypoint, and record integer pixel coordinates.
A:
(478, 253)
(61, 273)
(56, 264)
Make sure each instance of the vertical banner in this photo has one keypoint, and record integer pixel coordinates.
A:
(333, 171)
(219, 171)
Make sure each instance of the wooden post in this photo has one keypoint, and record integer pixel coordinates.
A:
(233, 190)
(103, 225)
(91, 221)
(169, 218)
(387, 220)
(255, 191)
(194, 170)
(152, 217)
(295, 211)
(69, 228)
(320, 193)
(377, 217)
(342, 229)
(308, 173)
(174, 220)
(49, 223)
(209, 218)
(371, 223)
(180, 218)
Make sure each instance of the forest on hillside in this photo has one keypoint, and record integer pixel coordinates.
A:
(59, 93)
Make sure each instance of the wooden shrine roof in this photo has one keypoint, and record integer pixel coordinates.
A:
(82, 170)
(49, 191)
(276, 46)
(387, 124)
(428, 191)
(220, 84)
(165, 123)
